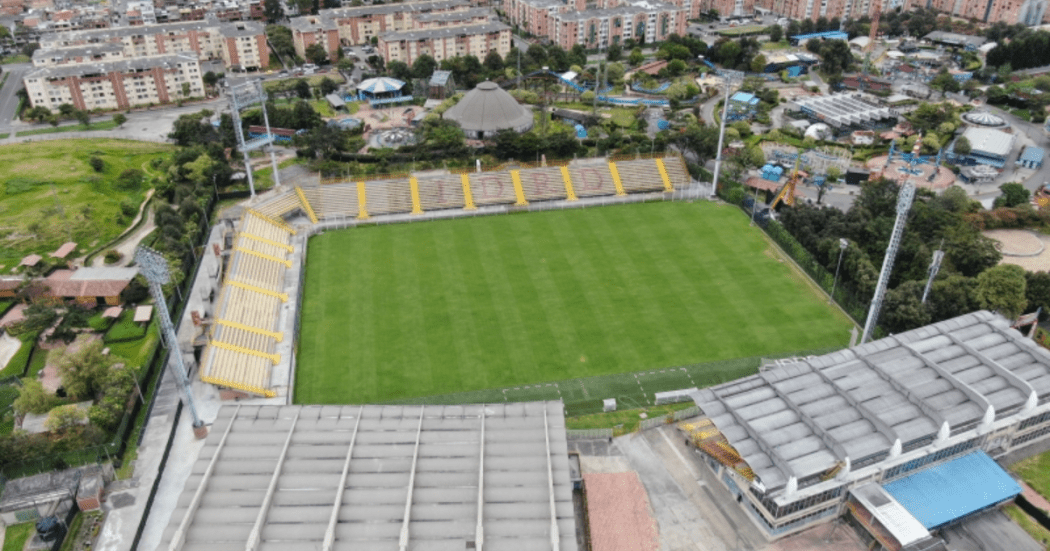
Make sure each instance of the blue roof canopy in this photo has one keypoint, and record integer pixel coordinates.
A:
(1033, 154)
(949, 491)
(744, 97)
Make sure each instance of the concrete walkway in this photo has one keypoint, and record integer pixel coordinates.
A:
(126, 246)
(1034, 497)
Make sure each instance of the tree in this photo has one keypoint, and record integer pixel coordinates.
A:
(119, 119)
(33, 398)
(84, 371)
(1002, 289)
(131, 179)
(210, 79)
(96, 163)
(493, 62)
(952, 296)
(614, 72)
(636, 58)
(399, 70)
(423, 66)
(273, 11)
(63, 418)
(758, 63)
(1014, 194)
(302, 89)
(1037, 292)
(66, 110)
(903, 309)
(776, 33)
(328, 86)
(962, 146)
(193, 129)
(185, 89)
(316, 54)
(615, 52)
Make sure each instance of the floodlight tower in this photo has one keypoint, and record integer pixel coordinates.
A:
(904, 199)
(244, 96)
(155, 269)
(935, 266)
(731, 77)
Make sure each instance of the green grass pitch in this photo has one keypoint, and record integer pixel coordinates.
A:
(409, 310)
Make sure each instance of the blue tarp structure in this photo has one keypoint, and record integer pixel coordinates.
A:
(1031, 157)
(949, 491)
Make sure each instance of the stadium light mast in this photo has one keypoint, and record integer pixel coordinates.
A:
(904, 199)
(935, 266)
(155, 269)
(242, 97)
(730, 78)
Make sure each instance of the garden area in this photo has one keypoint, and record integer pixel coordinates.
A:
(54, 192)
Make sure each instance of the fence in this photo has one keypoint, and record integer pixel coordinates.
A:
(632, 390)
(588, 434)
(854, 304)
(672, 417)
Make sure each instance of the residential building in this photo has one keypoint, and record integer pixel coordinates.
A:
(241, 44)
(116, 84)
(446, 43)
(71, 55)
(612, 22)
(358, 25)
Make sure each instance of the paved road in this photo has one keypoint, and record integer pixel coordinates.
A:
(8, 99)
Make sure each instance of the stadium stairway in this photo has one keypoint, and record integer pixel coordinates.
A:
(677, 172)
(280, 205)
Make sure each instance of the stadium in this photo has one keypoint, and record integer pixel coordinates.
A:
(369, 334)
(894, 435)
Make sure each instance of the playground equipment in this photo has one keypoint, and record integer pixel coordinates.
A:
(913, 159)
(787, 193)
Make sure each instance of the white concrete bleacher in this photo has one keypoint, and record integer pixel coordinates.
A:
(543, 184)
(244, 333)
(443, 191)
(639, 175)
(336, 200)
(592, 179)
(492, 188)
(280, 205)
(388, 197)
(677, 172)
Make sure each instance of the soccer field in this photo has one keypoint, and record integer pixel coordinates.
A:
(410, 310)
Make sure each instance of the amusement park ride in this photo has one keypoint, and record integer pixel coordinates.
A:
(787, 193)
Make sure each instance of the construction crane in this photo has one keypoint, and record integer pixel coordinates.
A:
(787, 193)
(874, 25)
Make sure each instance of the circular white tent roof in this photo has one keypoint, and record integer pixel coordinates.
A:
(983, 118)
(488, 109)
(380, 85)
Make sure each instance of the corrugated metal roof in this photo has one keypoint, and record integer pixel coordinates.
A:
(368, 476)
(946, 492)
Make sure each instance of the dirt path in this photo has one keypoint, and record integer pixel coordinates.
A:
(127, 245)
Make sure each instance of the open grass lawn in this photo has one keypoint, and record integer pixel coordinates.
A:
(411, 310)
(37, 218)
(17, 535)
(1036, 472)
(97, 125)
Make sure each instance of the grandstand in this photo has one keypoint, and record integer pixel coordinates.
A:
(243, 340)
(419, 193)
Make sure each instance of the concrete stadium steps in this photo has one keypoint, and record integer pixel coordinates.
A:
(640, 175)
(259, 272)
(268, 247)
(265, 229)
(237, 370)
(492, 188)
(592, 180)
(676, 170)
(244, 338)
(281, 205)
(248, 307)
(441, 192)
(338, 200)
(543, 184)
(388, 197)
(313, 197)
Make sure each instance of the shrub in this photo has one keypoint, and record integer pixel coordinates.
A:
(128, 208)
(113, 256)
(97, 164)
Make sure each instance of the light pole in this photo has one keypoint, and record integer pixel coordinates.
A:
(843, 245)
(730, 77)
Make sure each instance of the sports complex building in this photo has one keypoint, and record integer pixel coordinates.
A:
(898, 434)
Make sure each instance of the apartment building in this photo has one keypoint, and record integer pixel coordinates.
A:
(240, 44)
(118, 84)
(600, 27)
(446, 43)
(357, 25)
(1026, 12)
(473, 16)
(72, 55)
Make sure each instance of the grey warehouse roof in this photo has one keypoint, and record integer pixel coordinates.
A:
(799, 419)
(844, 109)
(488, 108)
(989, 141)
(379, 478)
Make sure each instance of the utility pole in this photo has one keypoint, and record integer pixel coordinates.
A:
(155, 269)
(730, 79)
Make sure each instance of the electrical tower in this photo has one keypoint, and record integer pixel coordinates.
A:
(154, 268)
(244, 96)
(904, 199)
